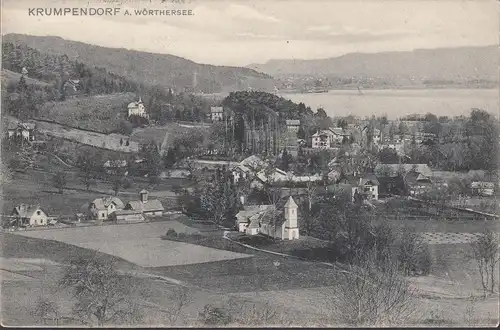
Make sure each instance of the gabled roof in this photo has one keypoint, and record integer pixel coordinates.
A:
(115, 163)
(153, 205)
(143, 191)
(103, 203)
(369, 178)
(27, 211)
(216, 109)
(249, 211)
(482, 185)
(394, 168)
(290, 203)
(253, 162)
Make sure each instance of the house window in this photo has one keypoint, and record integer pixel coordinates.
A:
(38, 212)
(103, 215)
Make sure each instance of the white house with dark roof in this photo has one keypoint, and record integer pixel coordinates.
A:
(148, 207)
(137, 109)
(216, 113)
(102, 208)
(30, 215)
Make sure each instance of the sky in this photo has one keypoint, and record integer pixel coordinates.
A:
(241, 32)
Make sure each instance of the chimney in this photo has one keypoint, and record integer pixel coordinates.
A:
(144, 196)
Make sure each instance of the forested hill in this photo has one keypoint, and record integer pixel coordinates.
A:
(259, 104)
(441, 64)
(150, 69)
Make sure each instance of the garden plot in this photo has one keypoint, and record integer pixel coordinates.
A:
(450, 238)
(138, 243)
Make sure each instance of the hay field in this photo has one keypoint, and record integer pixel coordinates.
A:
(140, 244)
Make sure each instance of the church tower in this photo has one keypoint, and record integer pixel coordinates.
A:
(291, 213)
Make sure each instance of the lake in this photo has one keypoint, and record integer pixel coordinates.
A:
(397, 103)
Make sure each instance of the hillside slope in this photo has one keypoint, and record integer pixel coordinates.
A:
(102, 113)
(148, 68)
(462, 63)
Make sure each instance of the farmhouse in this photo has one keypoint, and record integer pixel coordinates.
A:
(29, 215)
(216, 113)
(366, 185)
(137, 109)
(102, 208)
(321, 140)
(24, 131)
(149, 208)
(417, 183)
(481, 188)
(245, 216)
(127, 216)
(275, 221)
(293, 125)
(395, 169)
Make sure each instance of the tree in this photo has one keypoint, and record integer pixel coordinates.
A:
(153, 160)
(286, 159)
(88, 163)
(45, 310)
(388, 156)
(59, 181)
(103, 296)
(372, 293)
(486, 255)
(219, 199)
(413, 254)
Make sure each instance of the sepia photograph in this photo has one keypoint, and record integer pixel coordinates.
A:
(238, 163)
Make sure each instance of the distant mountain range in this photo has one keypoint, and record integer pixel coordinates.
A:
(148, 68)
(442, 64)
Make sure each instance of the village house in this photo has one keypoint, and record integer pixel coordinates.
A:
(127, 216)
(321, 140)
(240, 172)
(24, 131)
(245, 216)
(364, 184)
(137, 109)
(115, 166)
(29, 215)
(102, 208)
(280, 221)
(391, 185)
(417, 183)
(293, 125)
(149, 208)
(482, 188)
(216, 113)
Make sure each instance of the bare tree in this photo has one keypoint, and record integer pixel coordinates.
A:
(485, 251)
(102, 294)
(259, 314)
(412, 253)
(45, 310)
(373, 293)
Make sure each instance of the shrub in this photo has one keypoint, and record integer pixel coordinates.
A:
(181, 235)
(214, 316)
(171, 233)
(413, 254)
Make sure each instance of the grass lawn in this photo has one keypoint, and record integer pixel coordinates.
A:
(35, 187)
(100, 113)
(260, 272)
